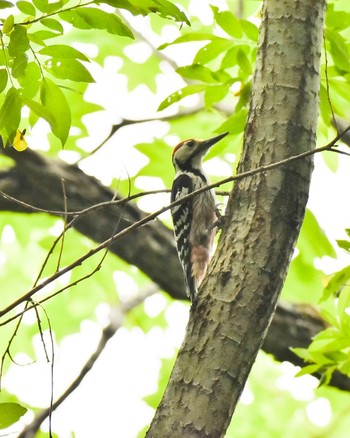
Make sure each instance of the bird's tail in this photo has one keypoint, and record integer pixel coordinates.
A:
(191, 287)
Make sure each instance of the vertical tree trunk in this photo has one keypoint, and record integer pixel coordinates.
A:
(237, 299)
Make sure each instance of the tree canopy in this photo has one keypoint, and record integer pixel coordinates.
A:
(94, 95)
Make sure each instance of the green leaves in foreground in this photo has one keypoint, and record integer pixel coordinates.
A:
(163, 8)
(53, 108)
(30, 65)
(10, 413)
(55, 102)
(221, 63)
(10, 114)
(329, 351)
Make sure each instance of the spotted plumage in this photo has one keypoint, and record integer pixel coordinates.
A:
(193, 219)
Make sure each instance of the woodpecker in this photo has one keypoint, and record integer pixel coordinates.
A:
(194, 220)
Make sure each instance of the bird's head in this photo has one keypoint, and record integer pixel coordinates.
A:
(189, 153)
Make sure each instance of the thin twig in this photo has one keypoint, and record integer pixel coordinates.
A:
(85, 210)
(35, 20)
(38, 320)
(116, 319)
(64, 222)
(7, 351)
(127, 122)
(329, 147)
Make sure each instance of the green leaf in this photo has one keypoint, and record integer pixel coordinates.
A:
(41, 5)
(30, 81)
(41, 35)
(327, 376)
(197, 72)
(10, 113)
(343, 311)
(53, 24)
(309, 369)
(68, 69)
(40, 110)
(63, 52)
(336, 283)
(157, 153)
(328, 341)
(26, 8)
(8, 24)
(163, 8)
(189, 37)
(212, 50)
(337, 20)
(54, 7)
(168, 10)
(244, 63)
(19, 41)
(3, 79)
(19, 65)
(93, 18)
(228, 22)
(5, 4)
(303, 353)
(244, 95)
(145, 74)
(235, 123)
(317, 243)
(339, 50)
(214, 93)
(345, 367)
(330, 318)
(250, 29)
(180, 94)
(344, 244)
(10, 413)
(230, 57)
(56, 103)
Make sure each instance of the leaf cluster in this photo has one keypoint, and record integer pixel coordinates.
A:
(39, 69)
(33, 69)
(329, 351)
(221, 68)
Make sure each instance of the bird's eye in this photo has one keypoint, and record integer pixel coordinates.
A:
(190, 143)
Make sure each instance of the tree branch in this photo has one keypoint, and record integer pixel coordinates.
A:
(146, 219)
(116, 321)
(36, 181)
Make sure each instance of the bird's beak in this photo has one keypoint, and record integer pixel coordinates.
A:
(206, 144)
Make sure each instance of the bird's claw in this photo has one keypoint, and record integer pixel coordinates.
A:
(220, 222)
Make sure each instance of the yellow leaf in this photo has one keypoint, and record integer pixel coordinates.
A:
(19, 142)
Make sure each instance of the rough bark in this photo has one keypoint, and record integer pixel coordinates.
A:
(237, 300)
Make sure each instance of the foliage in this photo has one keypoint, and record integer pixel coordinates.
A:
(29, 62)
(48, 73)
(329, 351)
(10, 413)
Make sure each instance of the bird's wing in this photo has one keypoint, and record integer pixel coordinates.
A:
(182, 219)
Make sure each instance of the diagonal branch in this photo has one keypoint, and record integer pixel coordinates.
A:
(36, 180)
(116, 321)
(118, 235)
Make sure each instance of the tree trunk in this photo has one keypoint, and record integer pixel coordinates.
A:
(237, 300)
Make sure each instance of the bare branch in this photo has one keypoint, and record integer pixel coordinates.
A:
(116, 320)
